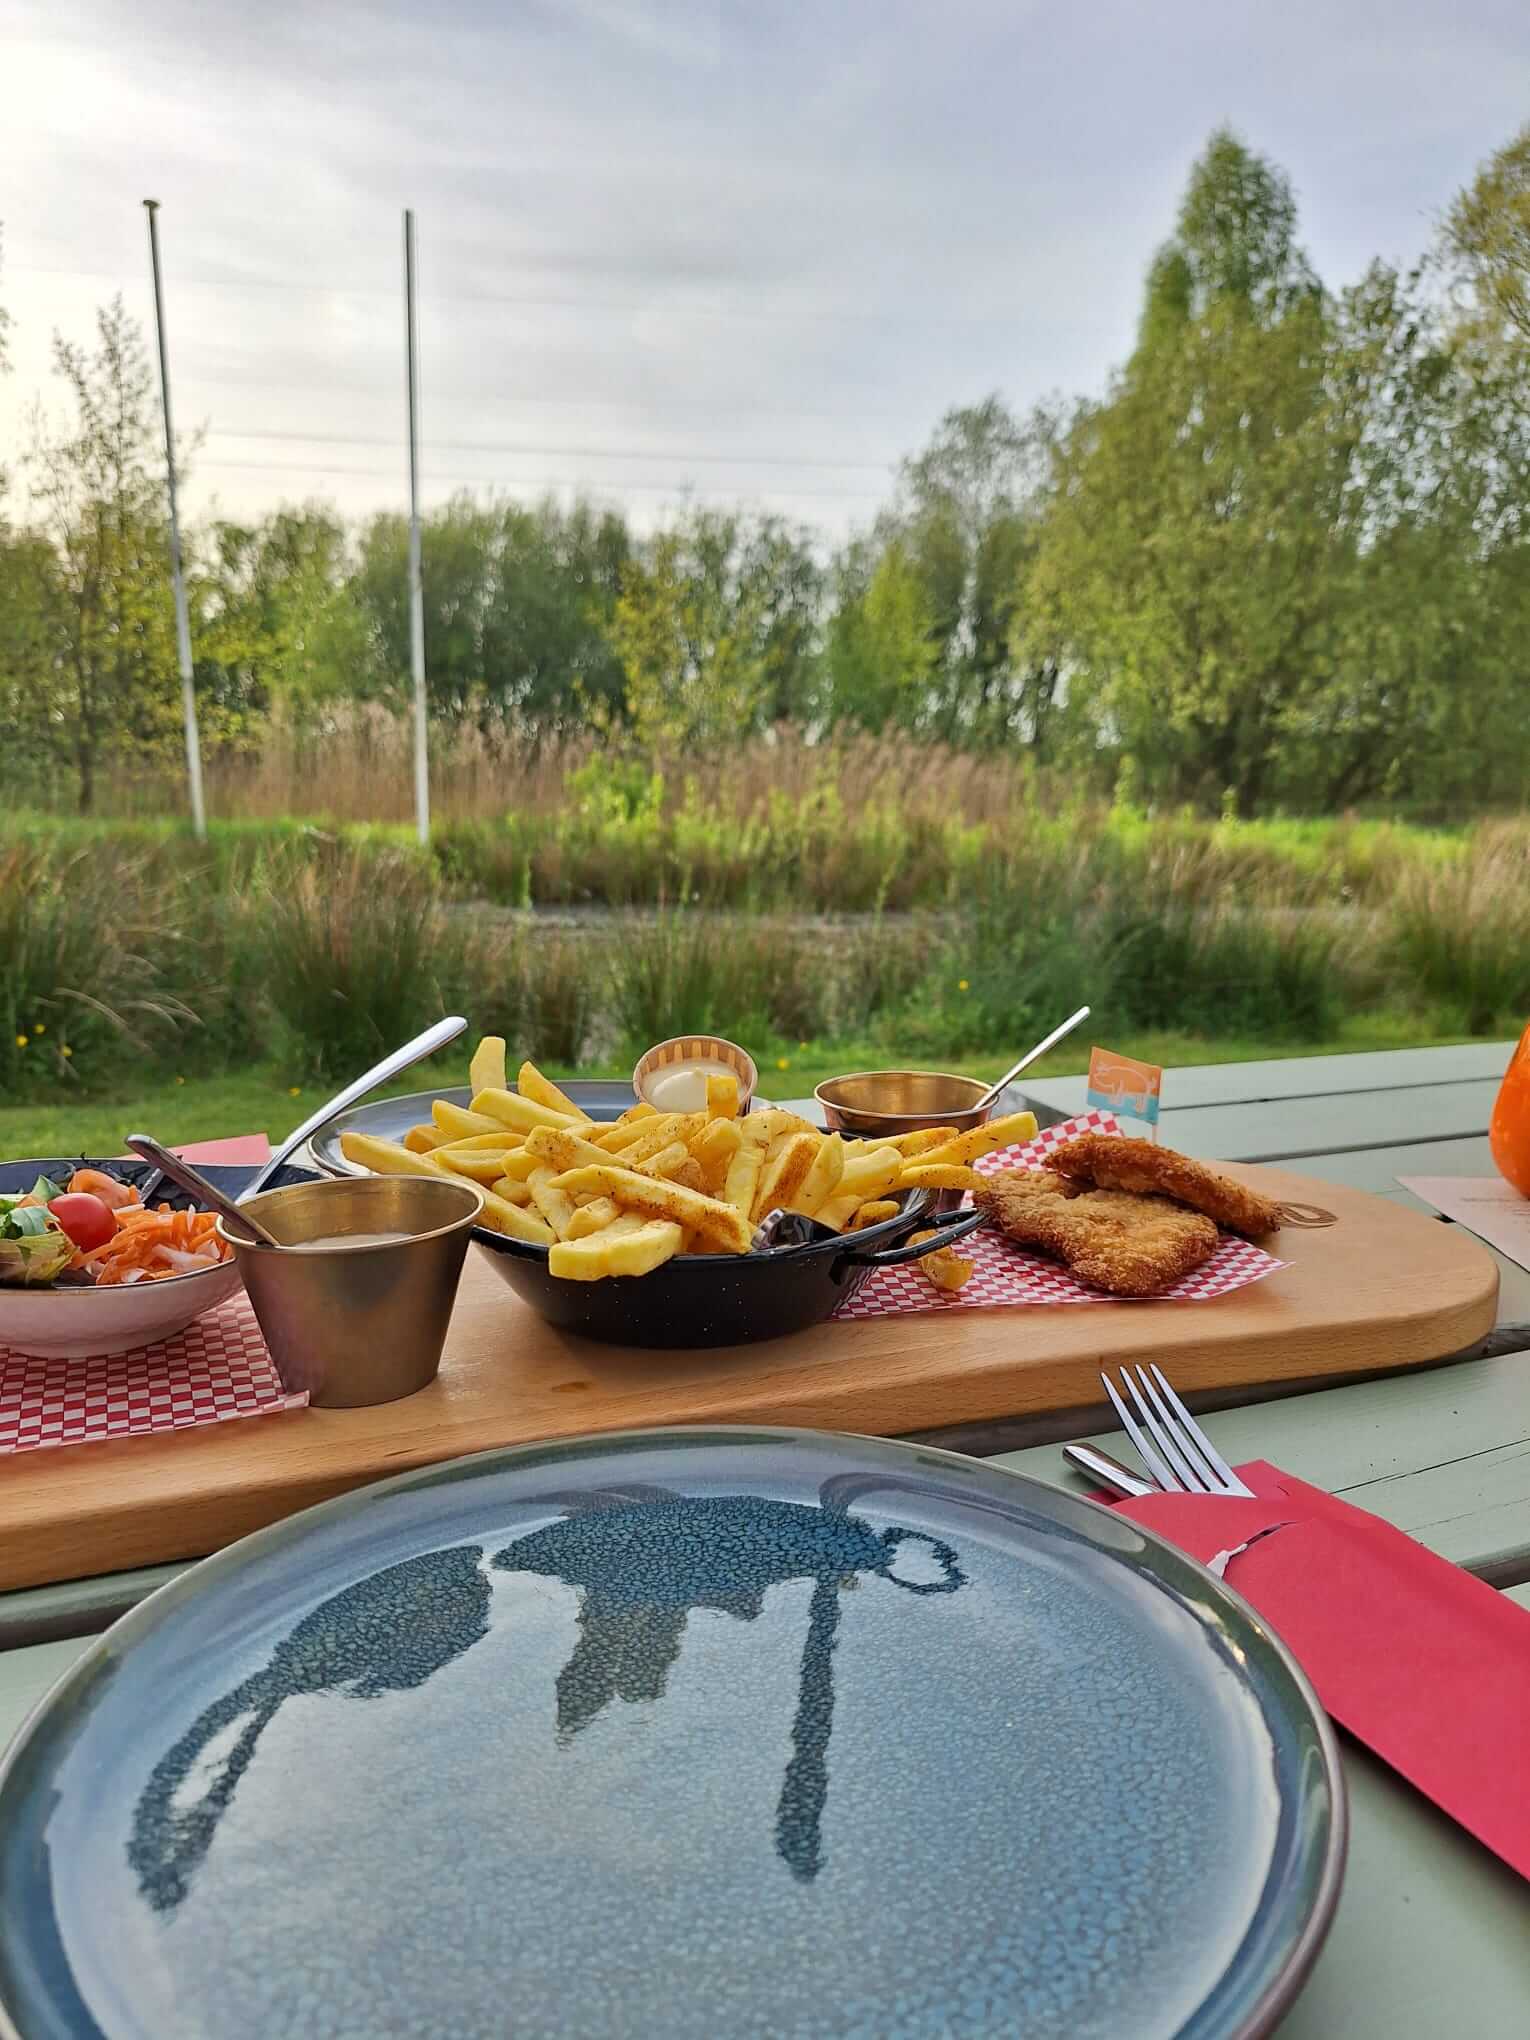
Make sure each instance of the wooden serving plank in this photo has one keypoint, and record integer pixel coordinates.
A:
(1383, 1288)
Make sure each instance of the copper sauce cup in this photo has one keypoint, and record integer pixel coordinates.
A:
(883, 1103)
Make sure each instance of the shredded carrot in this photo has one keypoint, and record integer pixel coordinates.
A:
(142, 1235)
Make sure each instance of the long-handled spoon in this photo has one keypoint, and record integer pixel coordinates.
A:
(196, 1183)
(1073, 1020)
(425, 1044)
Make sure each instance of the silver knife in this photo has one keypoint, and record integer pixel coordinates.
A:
(1107, 1471)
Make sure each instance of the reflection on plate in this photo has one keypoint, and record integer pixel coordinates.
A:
(684, 1733)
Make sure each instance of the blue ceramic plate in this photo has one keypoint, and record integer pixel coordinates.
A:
(684, 1733)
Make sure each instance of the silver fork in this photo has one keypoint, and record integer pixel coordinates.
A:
(1172, 1445)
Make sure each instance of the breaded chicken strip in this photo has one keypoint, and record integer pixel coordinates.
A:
(1132, 1246)
(1112, 1163)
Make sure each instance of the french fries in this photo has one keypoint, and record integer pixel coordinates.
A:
(946, 1268)
(486, 1072)
(983, 1140)
(939, 1176)
(612, 1252)
(655, 1198)
(722, 1095)
(623, 1198)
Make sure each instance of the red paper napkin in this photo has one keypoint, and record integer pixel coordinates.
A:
(253, 1148)
(1422, 1663)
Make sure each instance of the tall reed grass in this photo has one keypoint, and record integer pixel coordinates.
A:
(138, 947)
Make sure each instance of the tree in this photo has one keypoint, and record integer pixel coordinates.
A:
(1184, 577)
(114, 677)
(1487, 236)
(716, 629)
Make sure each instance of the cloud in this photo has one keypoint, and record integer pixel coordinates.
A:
(681, 238)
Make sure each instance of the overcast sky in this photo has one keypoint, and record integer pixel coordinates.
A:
(754, 250)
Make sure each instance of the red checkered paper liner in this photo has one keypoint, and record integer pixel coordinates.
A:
(218, 1367)
(1007, 1274)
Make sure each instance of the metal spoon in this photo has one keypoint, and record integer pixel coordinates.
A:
(425, 1044)
(196, 1183)
(1009, 1076)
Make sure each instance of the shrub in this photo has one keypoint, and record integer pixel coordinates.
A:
(1460, 933)
(353, 953)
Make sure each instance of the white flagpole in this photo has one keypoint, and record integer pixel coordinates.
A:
(416, 587)
(177, 577)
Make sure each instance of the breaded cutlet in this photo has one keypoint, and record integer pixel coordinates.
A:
(1111, 1162)
(1129, 1245)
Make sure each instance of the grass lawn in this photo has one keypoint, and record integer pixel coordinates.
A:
(264, 1099)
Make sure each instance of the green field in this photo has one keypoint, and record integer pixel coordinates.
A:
(265, 1099)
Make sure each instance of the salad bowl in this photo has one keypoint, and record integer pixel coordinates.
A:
(69, 1323)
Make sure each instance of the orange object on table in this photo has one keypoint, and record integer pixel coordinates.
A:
(1509, 1127)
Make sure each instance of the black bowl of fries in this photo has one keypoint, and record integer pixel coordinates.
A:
(663, 1229)
(694, 1300)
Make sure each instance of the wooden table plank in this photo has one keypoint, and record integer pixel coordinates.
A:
(1382, 1288)
(1295, 1077)
(1283, 1128)
(1378, 1168)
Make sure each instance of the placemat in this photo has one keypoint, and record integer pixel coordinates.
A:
(1007, 1274)
(217, 1368)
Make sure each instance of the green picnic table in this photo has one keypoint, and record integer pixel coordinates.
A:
(1432, 1934)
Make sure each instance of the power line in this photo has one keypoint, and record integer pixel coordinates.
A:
(537, 301)
(530, 447)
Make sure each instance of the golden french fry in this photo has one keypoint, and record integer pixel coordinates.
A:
(743, 1178)
(562, 1150)
(921, 1140)
(656, 1135)
(390, 1158)
(666, 1161)
(983, 1140)
(786, 1170)
(456, 1122)
(690, 1177)
(722, 1095)
(641, 1110)
(521, 1114)
(620, 1134)
(555, 1205)
(945, 1267)
(714, 1148)
(511, 1191)
(656, 1198)
(421, 1139)
(531, 1083)
(593, 1217)
(387, 1157)
(486, 1072)
(940, 1176)
(500, 1141)
(873, 1213)
(822, 1179)
(504, 1217)
(609, 1253)
(873, 1174)
(772, 1121)
(478, 1166)
(520, 1162)
(839, 1210)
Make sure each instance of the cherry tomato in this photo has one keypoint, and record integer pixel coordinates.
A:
(86, 1219)
(98, 1184)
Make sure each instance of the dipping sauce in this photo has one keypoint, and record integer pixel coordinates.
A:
(682, 1086)
(327, 1242)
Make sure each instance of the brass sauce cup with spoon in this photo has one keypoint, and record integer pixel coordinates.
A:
(355, 1300)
